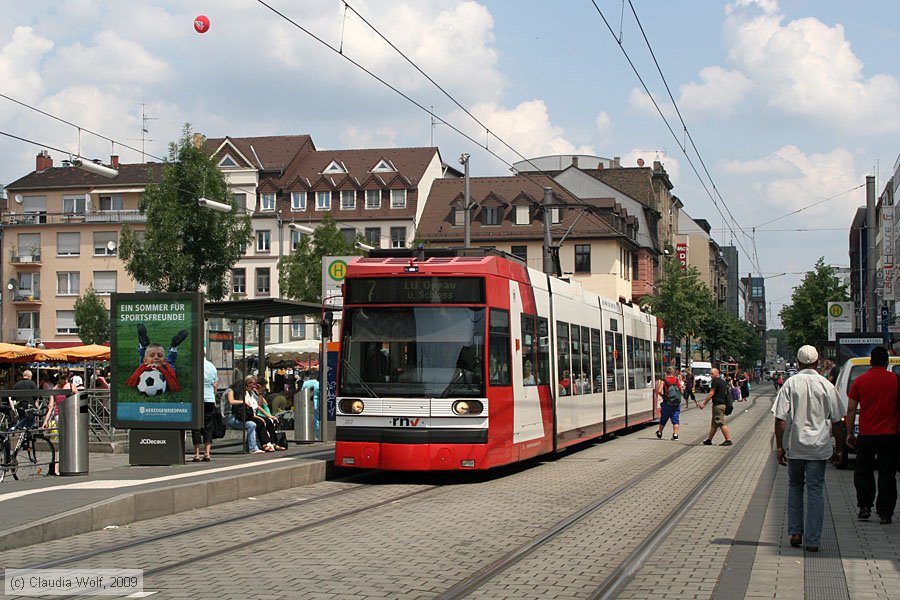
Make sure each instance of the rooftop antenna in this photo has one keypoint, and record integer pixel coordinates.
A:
(144, 130)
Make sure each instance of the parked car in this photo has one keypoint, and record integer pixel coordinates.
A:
(850, 370)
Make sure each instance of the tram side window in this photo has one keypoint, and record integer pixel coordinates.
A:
(498, 370)
(596, 364)
(543, 351)
(610, 362)
(620, 362)
(632, 366)
(586, 360)
(648, 374)
(562, 349)
(529, 347)
(577, 379)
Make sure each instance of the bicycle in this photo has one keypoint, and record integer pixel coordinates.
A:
(39, 458)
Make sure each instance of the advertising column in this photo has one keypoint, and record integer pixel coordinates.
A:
(157, 358)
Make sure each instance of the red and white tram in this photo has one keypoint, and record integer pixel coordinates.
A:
(473, 361)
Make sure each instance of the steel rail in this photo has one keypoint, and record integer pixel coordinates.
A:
(473, 582)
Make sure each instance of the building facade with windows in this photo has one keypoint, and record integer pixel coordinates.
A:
(61, 230)
(596, 238)
(61, 225)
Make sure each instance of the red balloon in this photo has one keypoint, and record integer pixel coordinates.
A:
(201, 23)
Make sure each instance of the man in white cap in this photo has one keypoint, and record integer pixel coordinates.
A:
(804, 410)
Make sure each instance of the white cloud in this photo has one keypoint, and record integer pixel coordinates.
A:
(789, 179)
(603, 123)
(111, 59)
(526, 127)
(718, 94)
(807, 68)
(380, 137)
(20, 63)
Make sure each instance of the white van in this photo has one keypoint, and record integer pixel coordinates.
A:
(702, 377)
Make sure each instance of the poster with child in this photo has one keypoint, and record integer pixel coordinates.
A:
(156, 348)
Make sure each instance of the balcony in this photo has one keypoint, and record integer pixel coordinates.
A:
(24, 335)
(26, 296)
(99, 216)
(26, 259)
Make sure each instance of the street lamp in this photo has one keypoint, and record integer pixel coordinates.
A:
(363, 246)
(217, 206)
(301, 228)
(96, 168)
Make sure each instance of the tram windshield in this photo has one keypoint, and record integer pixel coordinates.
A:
(428, 351)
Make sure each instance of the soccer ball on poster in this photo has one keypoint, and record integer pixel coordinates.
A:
(152, 383)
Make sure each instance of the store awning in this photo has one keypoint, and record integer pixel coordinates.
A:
(260, 309)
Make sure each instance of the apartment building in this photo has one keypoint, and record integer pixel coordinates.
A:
(597, 238)
(60, 233)
(61, 226)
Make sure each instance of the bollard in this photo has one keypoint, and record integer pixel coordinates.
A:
(73, 435)
(304, 424)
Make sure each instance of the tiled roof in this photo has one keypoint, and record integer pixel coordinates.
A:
(276, 152)
(73, 177)
(446, 194)
(409, 162)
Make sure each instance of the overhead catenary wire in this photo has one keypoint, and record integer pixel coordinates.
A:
(78, 127)
(340, 51)
(681, 145)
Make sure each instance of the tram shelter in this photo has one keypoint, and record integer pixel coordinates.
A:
(260, 310)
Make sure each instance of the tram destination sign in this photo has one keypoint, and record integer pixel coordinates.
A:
(415, 290)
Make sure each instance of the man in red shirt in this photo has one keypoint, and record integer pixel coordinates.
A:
(875, 392)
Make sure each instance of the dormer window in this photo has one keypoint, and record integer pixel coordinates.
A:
(459, 217)
(334, 167)
(227, 163)
(522, 216)
(384, 166)
(267, 202)
(490, 215)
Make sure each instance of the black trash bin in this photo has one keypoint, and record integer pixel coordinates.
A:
(73, 435)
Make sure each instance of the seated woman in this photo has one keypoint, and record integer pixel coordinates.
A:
(236, 406)
(265, 413)
(247, 411)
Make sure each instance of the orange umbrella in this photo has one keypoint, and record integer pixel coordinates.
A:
(49, 355)
(15, 352)
(89, 352)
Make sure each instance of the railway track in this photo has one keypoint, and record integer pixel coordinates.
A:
(361, 502)
(623, 572)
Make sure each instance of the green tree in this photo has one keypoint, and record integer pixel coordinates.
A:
(681, 301)
(184, 246)
(716, 331)
(300, 273)
(91, 318)
(806, 318)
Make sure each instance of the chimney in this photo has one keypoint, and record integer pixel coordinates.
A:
(616, 163)
(114, 161)
(575, 161)
(44, 161)
(198, 140)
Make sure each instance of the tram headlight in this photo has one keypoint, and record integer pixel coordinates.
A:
(468, 407)
(351, 407)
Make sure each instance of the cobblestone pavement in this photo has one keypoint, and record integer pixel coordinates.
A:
(420, 546)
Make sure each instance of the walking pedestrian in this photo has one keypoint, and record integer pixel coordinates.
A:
(804, 410)
(204, 435)
(669, 391)
(875, 394)
(689, 387)
(718, 395)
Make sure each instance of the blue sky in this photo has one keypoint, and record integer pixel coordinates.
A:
(789, 102)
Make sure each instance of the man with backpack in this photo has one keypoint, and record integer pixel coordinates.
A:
(670, 393)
